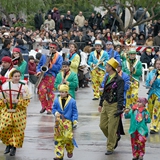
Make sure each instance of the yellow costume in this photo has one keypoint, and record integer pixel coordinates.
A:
(13, 115)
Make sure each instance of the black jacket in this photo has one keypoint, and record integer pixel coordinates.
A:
(4, 52)
(146, 59)
(114, 92)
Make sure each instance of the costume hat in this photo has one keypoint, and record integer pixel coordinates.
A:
(142, 100)
(98, 42)
(63, 88)
(132, 51)
(113, 62)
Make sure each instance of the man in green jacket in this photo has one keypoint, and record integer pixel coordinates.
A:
(132, 67)
(65, 76)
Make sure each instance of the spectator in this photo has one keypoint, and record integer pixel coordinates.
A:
(91, 20)
(65, 39)
(87, 38)
(108, 36)
(50, 22)
(32, 70)
(5, 51)
(80, 19)
(79, 40)
(56, 18)
(149, 41)
(147, 56)
(157, 28)
(20, 63)
(25, 53)
(68, 21)
(156, 40)
(98, 20)
(116, 41)
(141, 39)
(86, 27)
(38, 20)
(138, 15)
(61, 22)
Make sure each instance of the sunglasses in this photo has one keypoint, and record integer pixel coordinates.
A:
(52, 47)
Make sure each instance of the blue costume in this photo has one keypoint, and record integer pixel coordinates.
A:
(66, 113)
(114, 54)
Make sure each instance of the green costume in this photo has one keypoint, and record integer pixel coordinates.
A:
(72, 81)
(136, 67)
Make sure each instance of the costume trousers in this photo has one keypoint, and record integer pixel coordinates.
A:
(12, 126)
(97, 76)
(138, 144)
(109, 123)
(154, 110)
(45, 92)
(63, 137)
(132, 93)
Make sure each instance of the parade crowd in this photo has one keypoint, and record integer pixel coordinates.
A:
(80, 52)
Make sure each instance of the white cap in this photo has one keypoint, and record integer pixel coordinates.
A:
(98, 42)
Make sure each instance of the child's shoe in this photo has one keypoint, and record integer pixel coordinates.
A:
(69, 155)
(57, 158)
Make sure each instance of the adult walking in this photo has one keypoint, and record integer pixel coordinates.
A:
(111, 105)
(45, 89)
(97, 62)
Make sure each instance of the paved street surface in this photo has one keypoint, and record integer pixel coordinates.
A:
(39, 145)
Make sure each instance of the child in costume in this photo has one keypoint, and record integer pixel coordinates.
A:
(66, 116)
(138, 127)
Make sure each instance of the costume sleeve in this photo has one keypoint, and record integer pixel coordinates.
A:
(74, 111)
(90, 59)
(148, 120)
(126, 82)
(117, 57)
(120, 94)
(74, 82)
(104, 80)
(58, 65)
(138, 69)
(128, 115)
(55, 106)
(75, 62)
(148, 79)
(58, 80)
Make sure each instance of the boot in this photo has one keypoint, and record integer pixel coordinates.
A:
(13, 151)
(7, 150)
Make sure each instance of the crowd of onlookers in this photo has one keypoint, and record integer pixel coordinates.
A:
(63, 29)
